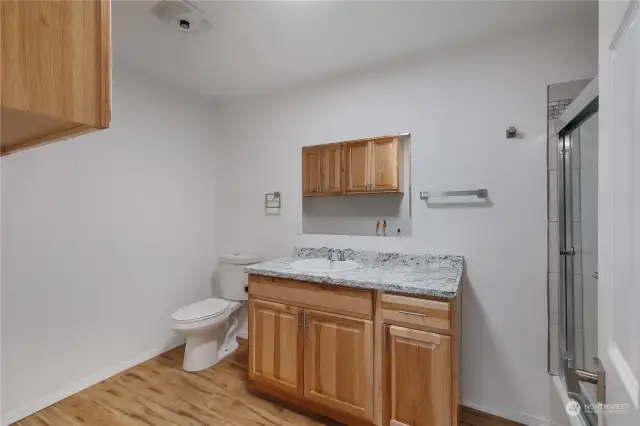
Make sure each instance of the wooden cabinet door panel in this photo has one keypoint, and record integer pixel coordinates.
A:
(274, 346)
(357, 167)
(385, 161)
(55, 59)
(417, 369)
(311, 174)
(331, 169)
(338, 362)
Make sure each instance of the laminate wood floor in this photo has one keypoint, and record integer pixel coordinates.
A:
(159, 393)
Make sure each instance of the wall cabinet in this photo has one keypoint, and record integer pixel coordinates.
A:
(322, 170)
(386, 165)
(56, 72)
(343, 353)
(354, 167)
(311, 175)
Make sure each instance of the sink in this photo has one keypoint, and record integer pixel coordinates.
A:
(324, 265)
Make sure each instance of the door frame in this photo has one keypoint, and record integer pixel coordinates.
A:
(582, 108)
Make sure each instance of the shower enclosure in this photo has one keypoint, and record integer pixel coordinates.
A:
(573, 250)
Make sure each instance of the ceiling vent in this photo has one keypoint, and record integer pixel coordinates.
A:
(182, 16)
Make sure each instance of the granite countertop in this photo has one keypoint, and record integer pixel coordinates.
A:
(426, 275)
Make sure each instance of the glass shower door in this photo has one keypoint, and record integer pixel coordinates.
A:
(578, 187)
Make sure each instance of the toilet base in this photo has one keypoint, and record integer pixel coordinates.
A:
(201, 351)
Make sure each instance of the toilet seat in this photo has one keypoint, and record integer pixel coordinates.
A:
(201, 311)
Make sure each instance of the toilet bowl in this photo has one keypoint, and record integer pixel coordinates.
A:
(210, 325)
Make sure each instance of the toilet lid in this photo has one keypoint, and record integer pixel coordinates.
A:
(202, 310)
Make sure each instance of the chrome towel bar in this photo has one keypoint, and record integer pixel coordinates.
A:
(480, 193)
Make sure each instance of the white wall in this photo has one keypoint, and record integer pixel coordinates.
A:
(457, 105)
(103, 237)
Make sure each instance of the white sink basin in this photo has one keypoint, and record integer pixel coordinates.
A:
(324, 265)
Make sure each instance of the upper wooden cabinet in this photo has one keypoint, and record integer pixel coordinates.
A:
(322, 170)
(356, 167)
(311, 175)
(331, 169)
(386, 165)
(56, 71)
(358, 158)
(417, 368)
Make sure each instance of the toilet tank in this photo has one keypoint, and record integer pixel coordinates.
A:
(233, 279)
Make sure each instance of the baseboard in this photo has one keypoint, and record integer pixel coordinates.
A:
(52, 398)
(516, 416)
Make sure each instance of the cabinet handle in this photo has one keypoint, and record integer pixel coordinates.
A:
(306, 320)
(300, 318)
(412, 313)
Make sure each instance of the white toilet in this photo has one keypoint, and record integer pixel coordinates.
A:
(210, 325)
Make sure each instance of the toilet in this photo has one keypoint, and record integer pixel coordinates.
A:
(210, 325)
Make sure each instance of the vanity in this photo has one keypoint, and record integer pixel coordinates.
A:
(377, 343)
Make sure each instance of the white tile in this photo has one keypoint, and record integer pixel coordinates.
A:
(552, 193)
(552, 148)
(579, 355)
(554, 313)
(575, 151)
(577, 262)
(577, 302)
(576, 233)
(554, 248)
(575, 189)
(554, 349)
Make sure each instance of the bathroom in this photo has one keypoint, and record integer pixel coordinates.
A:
(107, 234)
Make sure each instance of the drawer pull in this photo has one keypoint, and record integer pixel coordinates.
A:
(412, 313)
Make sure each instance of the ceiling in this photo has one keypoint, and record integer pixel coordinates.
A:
(265, 46)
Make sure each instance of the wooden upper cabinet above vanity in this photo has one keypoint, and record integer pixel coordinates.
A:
(355, 167)
(322, 170)
(56, 71)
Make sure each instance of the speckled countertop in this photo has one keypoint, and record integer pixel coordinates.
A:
(425, 274)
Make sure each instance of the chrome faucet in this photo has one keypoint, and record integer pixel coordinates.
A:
(339, 254)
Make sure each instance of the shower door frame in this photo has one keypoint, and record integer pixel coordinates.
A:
(571, 120)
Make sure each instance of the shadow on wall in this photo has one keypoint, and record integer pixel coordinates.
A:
(480, 350)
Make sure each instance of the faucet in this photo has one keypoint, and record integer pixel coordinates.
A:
(339, 254)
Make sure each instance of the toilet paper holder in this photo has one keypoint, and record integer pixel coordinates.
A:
(272, 200)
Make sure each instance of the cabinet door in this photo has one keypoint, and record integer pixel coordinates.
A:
(311, 175)
(357, 166)
(385, 164)
(417, 369)
(275, 344)
(331, 169)
(56, 73)
(338, 362)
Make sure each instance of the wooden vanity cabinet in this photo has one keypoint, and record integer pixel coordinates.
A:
(417, 371)
(358, 356)
(56, 70)
(276, 337)
(338, 362)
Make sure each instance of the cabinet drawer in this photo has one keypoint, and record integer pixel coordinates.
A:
(336, 299)
(415, 311)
